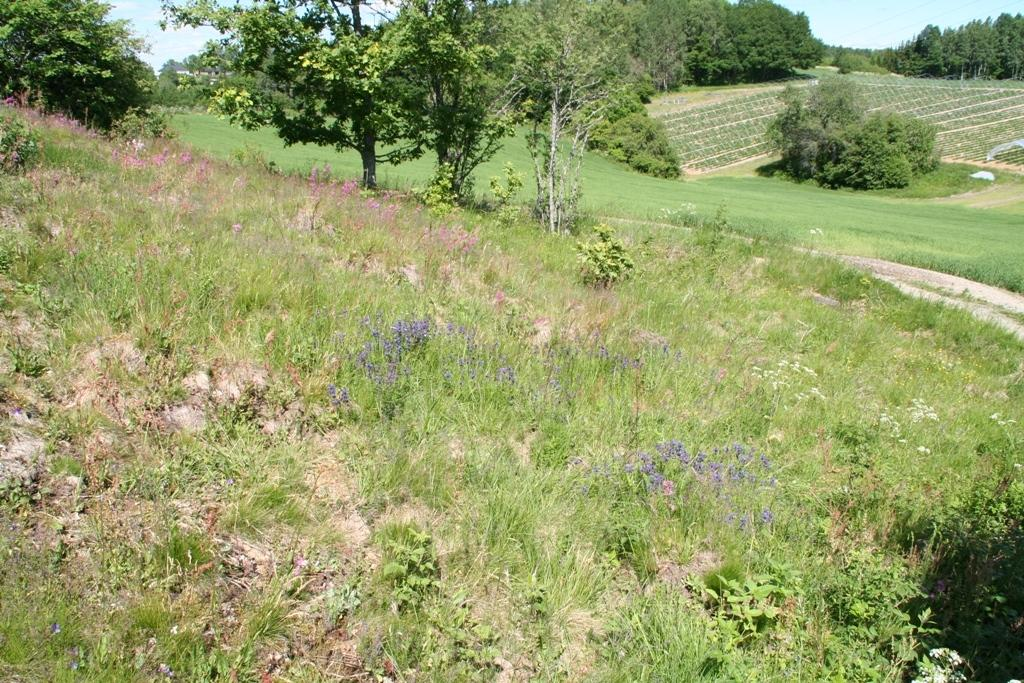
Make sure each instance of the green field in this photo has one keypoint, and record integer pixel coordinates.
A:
(985, 245)
(254, 428)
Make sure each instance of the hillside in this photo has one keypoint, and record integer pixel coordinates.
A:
(948, 235)
(258, 427)
(972, 117)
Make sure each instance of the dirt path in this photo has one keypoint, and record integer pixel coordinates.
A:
(985, 302)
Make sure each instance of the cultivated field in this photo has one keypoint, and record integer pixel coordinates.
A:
(272, 428)
(984, 245)
(972, 117)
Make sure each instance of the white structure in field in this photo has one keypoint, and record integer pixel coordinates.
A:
(999, 149)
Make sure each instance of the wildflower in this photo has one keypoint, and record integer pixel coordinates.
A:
(924, 450)
(54, 628)
(338, 397)
(236, 228)
(668, 487)
(165, 671)
(767, 517)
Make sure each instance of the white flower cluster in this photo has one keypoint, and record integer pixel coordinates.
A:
(789, 373)
(1001, 421)
(942, 665)
(921, 411)
(686, 214)
(890, 423)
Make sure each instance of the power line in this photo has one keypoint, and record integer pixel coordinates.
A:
(933, 18)
(885, 21)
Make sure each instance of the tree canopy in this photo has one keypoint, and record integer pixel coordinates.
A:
(708, 42)
(979, 49)
(69, 57)
(824, 135)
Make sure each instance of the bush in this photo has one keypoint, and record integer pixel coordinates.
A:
(139, 123)
(642, 143)
(73, 58)
(505, 191)
(440, 195)
(606, 260)
(19, 144)
(849, 62)
(977, 552)
(885, 151)
(631, 136)
(826, 137)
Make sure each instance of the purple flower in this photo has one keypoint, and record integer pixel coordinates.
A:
(767, 517)
(54, 628)
(165, 670)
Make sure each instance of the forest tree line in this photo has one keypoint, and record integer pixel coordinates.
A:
(989, 48)
(715, 42)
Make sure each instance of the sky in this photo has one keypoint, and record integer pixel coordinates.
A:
(854, 23)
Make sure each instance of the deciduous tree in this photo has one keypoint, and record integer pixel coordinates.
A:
(72, 59)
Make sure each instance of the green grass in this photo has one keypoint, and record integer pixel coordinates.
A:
(985, 245)
(297, 433)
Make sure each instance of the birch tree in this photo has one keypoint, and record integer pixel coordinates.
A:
(573, 58)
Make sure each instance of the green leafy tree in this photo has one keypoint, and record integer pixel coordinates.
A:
(714, 41)
(883, 151)
(320, 72)
(69, 57)
(459, 90)
(979, 49)
(805, 132)
(823, 135)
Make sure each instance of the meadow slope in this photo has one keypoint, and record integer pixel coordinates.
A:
(986, 245)
(259, 427)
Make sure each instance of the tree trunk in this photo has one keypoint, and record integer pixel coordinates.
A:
(368, 152)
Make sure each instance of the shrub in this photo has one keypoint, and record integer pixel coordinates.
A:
(884, 151)
(251, 155)
(869, 596)
(440, 195)
(19, 144)
(640, 142)
(825, 136)
(849, 62)
(139, 123)
(505, 194)
(975, 578)
(745, 608)
(605, 261)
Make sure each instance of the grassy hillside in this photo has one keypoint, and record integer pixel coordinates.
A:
(982, 245)
(257, 428)
(710, 131)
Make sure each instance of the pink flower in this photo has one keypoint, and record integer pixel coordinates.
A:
(668, 487)
(236, 228)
